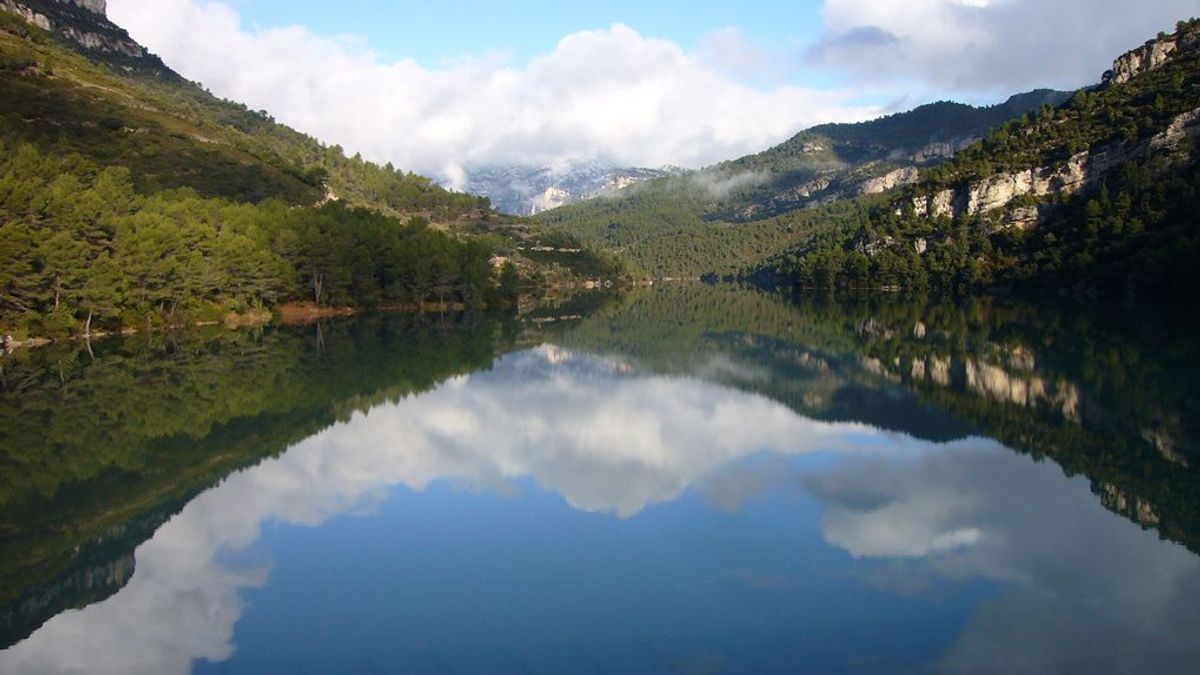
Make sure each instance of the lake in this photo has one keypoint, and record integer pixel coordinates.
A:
(689, 479)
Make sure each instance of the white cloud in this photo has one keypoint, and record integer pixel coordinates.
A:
(1001, 46)
(610, 95)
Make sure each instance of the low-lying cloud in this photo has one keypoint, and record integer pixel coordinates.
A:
(721, 185)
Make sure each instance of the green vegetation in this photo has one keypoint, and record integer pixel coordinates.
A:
(81, 248)
(661, 229)
(724, 219)
(1131, 231)
(834, 146)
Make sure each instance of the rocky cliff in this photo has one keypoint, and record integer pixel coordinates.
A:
(1080, 170)
(1064, 179)
(84, 24)
(1092, 197)
(1150, 56)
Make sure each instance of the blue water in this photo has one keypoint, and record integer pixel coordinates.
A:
(566, 511)
(453, 581)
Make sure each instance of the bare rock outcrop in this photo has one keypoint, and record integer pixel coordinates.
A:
(998, 191)
(1152, 55)
(1149, 56)
(902, 176)
(83, 22)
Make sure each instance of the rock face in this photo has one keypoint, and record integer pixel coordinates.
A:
(1149, 56)
(1132, 507)
(84, 23)
(998, 191)
(902, 176)
(40, 20)
(1154, 54)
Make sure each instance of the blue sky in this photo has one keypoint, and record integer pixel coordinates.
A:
(444, 87)
(432, 31)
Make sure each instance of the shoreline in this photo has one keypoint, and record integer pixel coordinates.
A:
(291, 314)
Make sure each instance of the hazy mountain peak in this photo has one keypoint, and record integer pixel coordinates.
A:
(526, 190)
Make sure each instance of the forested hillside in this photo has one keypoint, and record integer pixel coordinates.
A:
(130, 197)
(1098, 196)
(724, 218)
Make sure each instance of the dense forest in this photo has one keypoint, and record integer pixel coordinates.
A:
(82, 248)
(1132, 230)
(660, 228)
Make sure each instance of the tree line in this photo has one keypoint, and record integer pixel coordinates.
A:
(80, 248)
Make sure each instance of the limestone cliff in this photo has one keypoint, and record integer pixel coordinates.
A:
(1150, 56)
(1078, 171)
(84, 24)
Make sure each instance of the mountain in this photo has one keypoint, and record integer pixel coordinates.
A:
(838, 161)
(526, 191)
(130, 196)
(715, 220)
(1100, 196)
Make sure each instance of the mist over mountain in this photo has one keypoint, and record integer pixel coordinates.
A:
(527, 191)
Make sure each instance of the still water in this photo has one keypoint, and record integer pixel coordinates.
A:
(694, 479)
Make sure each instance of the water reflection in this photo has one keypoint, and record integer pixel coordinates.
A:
(1085, 591)
(736, 433)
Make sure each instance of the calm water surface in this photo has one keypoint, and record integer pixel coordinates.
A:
(692, 480)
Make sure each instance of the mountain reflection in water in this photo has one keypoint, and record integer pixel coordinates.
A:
(692, 477)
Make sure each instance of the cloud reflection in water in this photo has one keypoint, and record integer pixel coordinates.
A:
(612, 441)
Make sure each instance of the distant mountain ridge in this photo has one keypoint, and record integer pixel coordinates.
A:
(713, 220)
(526, 191)
(837, 161)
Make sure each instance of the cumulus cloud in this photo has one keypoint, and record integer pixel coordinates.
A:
(610, 95)
(987, 45)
